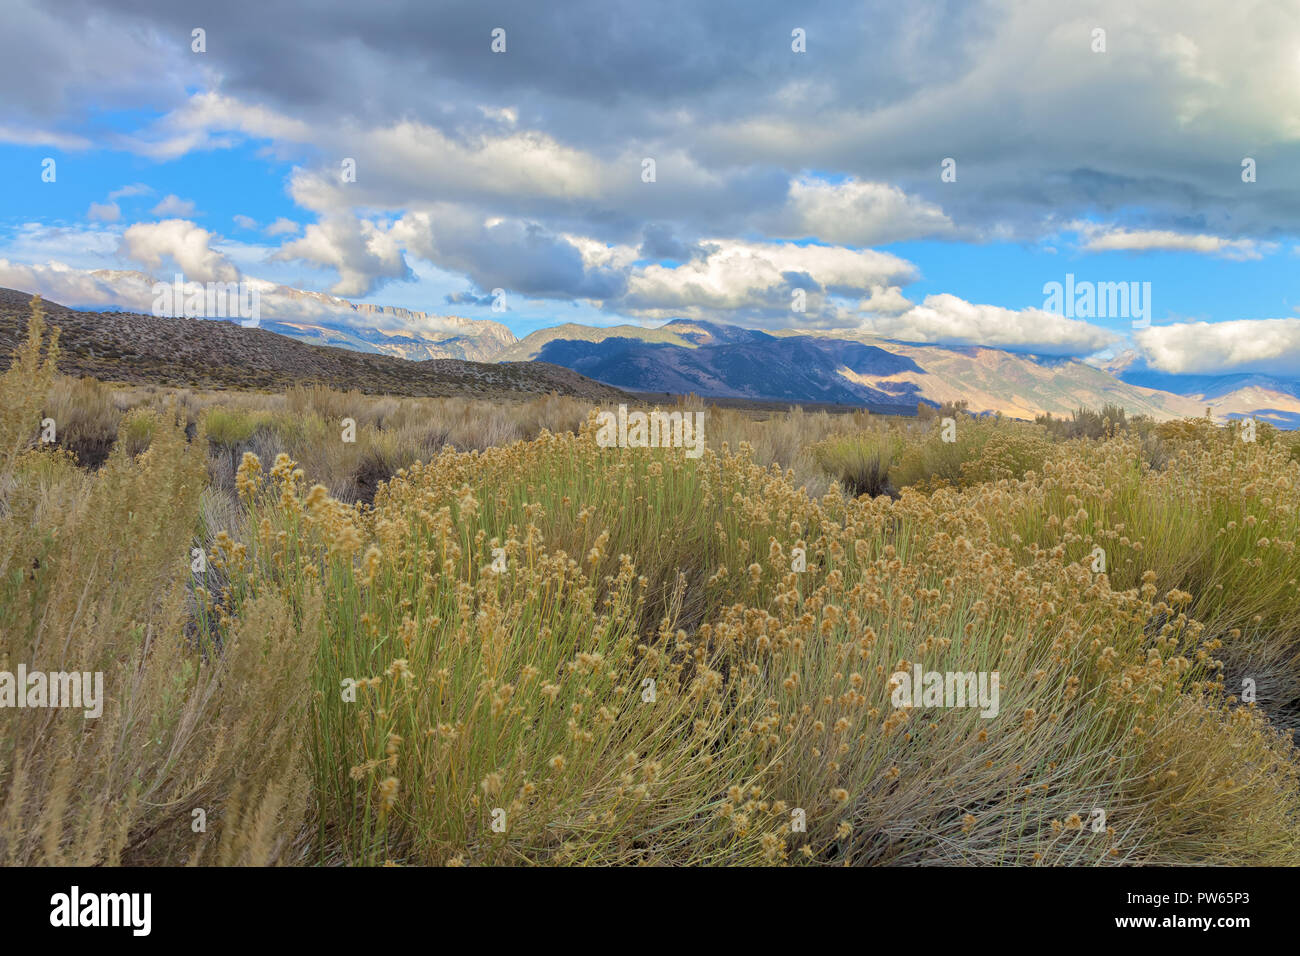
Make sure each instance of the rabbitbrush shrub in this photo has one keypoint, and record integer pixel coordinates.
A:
(94, 570)
(557, 653)
(543, 651)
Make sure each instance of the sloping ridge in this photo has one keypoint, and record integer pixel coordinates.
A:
(210, 353)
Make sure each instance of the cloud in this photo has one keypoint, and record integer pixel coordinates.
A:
(130, 191)
(133, 291)
(409, 159)
(659, 242)
(858, 213)
(1155, 123)
(1112, 238)
(104, 212)
(506, 115)
(283, 227)
(885, 300)
(27, 136)
(512, 254)
(469, 298)
(59, 65)
(518, 175)
(181, 242)
(740, 281)
(174, 206)
(1262, 346)
(1040, 125)
(110, 211)
(948, 320)
(364, 255)
(210, 120)
(81, 246)
(244, 222)
(61, 283)
(730, 280)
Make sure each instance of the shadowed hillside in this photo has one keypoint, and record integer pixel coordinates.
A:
(206, 353)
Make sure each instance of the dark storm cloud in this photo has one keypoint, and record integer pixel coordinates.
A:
(658, 242)
(1039, 123)
(526, 165)
(384, 59)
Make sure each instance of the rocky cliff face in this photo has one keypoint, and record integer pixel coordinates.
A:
(390, 330)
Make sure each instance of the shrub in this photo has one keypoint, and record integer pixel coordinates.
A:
(625, 566)
(93, 571)
(929, 462)
(86, 418)
(136, 432)
(675, 654)
(1011, 451)
(860, 462)
(228, 428)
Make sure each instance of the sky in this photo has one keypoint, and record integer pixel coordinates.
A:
(920, 171)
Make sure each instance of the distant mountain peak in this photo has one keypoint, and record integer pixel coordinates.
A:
(322, 319)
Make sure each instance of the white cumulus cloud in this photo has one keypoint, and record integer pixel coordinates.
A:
(742, 281)
(859, 213)
(283, 227)
(182, 242)
(949, 320)
(363, 254)
(1263, 346)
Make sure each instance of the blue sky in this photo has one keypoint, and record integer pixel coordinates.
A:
(777, 172)
(1184, 286)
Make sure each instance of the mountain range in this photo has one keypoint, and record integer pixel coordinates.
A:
(855, 368)
(847, 367)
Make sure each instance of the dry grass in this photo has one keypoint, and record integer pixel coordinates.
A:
(454, 665)
(93, 577)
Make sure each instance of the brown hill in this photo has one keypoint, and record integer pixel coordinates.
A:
(209, 353)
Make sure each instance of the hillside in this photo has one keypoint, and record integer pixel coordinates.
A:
(1022, 386)
(838, 367)
(855, 368)
(726, 362)
(528, 348)
(318, 318)
(131, 347)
